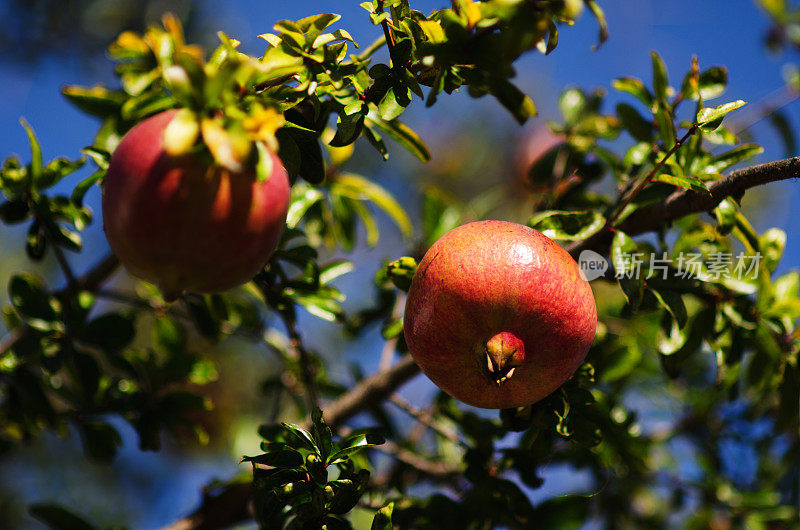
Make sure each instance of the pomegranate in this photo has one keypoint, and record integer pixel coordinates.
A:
(498, 315)
(185, 223)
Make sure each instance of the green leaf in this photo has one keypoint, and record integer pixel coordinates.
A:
(710, 118)
(303, 198)
(713, 82)
(264, 163)
(383, 518)
(376, 141)
(568, 226)
(334, 270)
(637, 154)
(315, 24)
(36, 151)
(284, 458)
(776, 8)
(181, 133)
(389, 107)
(360, 188)
(573, 105)
(97, 100)
(109, 332)
(598, 13)
(100, 440)
(168, 335)
(672, 302)
(301, 437)
(56, 170)
(734, 156)
(320, 306)
(666, 128)
(401, 271)
(772, 244)
(101, 157)
(623, 254)
(634, 87)
(690, 183)
(780, 121)
(12, 212)
(639, 128)
(57, 518)
(35, 241)
(348, 129)
(721, 136)
(28, 296)
(725, 212)
(312, 165)
(354, 444)
(401, 134)
(660, 82)
(512, 98)
(83, 187)
(322, 434)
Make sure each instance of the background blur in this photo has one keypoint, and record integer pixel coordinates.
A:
(45, 44)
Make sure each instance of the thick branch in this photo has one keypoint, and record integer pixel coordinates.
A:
(371, 391)
(685, 202)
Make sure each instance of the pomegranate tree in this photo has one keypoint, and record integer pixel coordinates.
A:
(498, 315)
(184, 222)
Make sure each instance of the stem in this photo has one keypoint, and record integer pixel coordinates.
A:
(390, 346)
(49, 227)
(426, 419)
(370, 392)
(389, 37)
(305, 359)
(627, 199)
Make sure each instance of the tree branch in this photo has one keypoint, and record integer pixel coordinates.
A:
(685, 202)
(378, 387)
(370, 391)
(307, 371)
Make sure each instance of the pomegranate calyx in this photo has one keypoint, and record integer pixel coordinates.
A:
(504, 353)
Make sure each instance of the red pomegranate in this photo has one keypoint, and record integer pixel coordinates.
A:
(498, 315)
(185, 223)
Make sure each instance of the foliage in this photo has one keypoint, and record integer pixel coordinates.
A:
(725, 350)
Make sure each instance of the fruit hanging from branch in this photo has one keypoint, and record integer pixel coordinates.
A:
(498, 315)
(184, 222)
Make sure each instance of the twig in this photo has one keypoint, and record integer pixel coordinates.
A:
(63, 263)
(389, 347)
(305, 358)
(439, 470)
(370, 391)
(426, 419)
(123, 298)
(628, 198)
(389, 36)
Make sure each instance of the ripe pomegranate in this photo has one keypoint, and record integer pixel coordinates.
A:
(498, 315)
(185, 223)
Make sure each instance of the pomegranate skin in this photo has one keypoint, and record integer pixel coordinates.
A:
(490, 289)
(184, 223)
